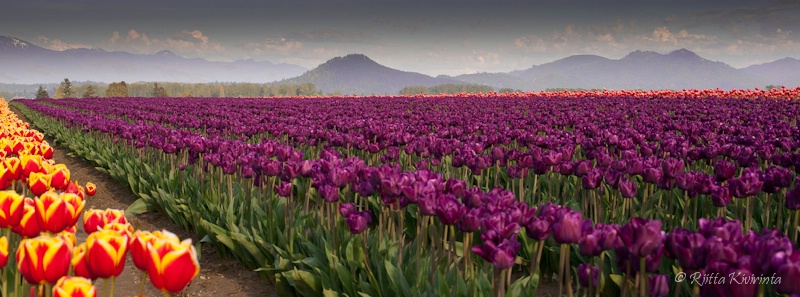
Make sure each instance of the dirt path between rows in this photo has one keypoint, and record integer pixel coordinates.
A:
(218, 276)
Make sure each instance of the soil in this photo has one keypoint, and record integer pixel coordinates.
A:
(218, 276)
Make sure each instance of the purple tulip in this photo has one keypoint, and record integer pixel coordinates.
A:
(471, 221)
(284, 189)
(584, 272)
(789, 273)
(793, 199)
(589, 244)
(568, 228)
(502, 255)
(721, 196)
(329, 193)
(627, 188)
(345, 209)
(659, 285)
(652, 175)
(672, 167)
(642, 237)
(592, 179)
(449, 210)
(538, 229)
(359, 221)
(724, 170)
(582, 167)
(687, 247)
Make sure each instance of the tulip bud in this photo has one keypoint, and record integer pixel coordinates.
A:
(584, 273)
(91, 189)
(793, 199)
(139, 242)
(11, 209)
(74, 286)
(659, 285)
(43, 260)
(172, 266)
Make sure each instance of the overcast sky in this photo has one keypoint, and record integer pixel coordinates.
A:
(432, 37)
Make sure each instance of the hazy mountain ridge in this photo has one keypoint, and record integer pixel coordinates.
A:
(25, 63)
(358, 74)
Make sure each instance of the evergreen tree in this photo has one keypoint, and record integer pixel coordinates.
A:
(42, 93)
(66, 88)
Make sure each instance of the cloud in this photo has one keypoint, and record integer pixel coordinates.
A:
(683, 37)
(281, 46)
(58, 45)
(197, 34)
(192, 43)
(331, 35)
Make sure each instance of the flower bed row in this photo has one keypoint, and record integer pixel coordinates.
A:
(380, 235)
(40, 206)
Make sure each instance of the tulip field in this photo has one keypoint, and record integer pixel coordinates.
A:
(606, 193)
(39, 210)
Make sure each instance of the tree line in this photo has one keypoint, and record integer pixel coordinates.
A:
(447, 89)
(66, 89)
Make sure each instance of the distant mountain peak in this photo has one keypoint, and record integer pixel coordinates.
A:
(11, 42)
(683, 53)
(165, 53)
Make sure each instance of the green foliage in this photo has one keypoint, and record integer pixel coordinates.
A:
(41, 93)
(66, 89)
(159, 91)
(220, 90)
(119, 89)
(447, 89)
(89, 91)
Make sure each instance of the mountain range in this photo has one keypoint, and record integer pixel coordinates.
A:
(23, 62)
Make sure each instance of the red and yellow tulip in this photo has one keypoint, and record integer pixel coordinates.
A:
(74, 287)
(105, 253)
(91, 189)
(38, 183)
(11, 208)
(80, 266)
(59, 176)
(30, 164)
(28, 226)
(43, 259)
(56, 212)
(139, 242)
(3, 251)
(14, 167)
(93, 220)
(172, 266)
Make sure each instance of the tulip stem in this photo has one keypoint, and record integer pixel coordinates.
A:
(796, 221)
(767, 209)
(113, 282)
(644, 280)
(685, 208)
(142, 278)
